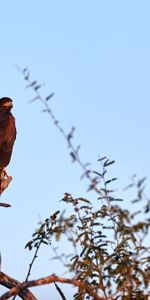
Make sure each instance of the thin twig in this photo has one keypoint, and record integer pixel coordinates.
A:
(74, 151)
(60, 291)
(33, 259)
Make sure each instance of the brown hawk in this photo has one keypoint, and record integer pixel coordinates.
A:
(7, 132)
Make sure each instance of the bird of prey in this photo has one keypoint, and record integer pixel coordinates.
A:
(7, 133)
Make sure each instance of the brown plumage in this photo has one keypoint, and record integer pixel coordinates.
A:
(7, 132)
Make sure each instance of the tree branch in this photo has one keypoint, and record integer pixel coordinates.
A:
(47, 280)
(11, 283)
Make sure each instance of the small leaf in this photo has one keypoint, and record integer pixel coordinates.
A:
(102, 158)
(108, 163)
(110, 180)
(84, 200)
(97, 173)
(50, 96)
(34, 99)
(29, 245)
(45, 242)
(25, 70)
(46, 110)
(27, 76)
(31, 84)
(141, 181)
(73, 156)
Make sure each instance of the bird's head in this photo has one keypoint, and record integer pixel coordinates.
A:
(6, 103)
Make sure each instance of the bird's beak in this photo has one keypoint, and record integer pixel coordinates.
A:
(8, 104)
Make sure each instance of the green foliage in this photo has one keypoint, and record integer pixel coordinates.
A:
(108, 249)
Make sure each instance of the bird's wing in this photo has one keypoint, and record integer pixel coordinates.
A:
(10, 134)
(2, 136)
(7, 134)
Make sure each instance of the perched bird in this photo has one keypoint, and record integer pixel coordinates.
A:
(7, 132)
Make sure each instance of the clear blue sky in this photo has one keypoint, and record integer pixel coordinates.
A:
(95, 56)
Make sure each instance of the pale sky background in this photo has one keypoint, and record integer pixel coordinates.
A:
(95, 56)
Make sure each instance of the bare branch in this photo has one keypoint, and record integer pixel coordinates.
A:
(10, 283)
(47, 280)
